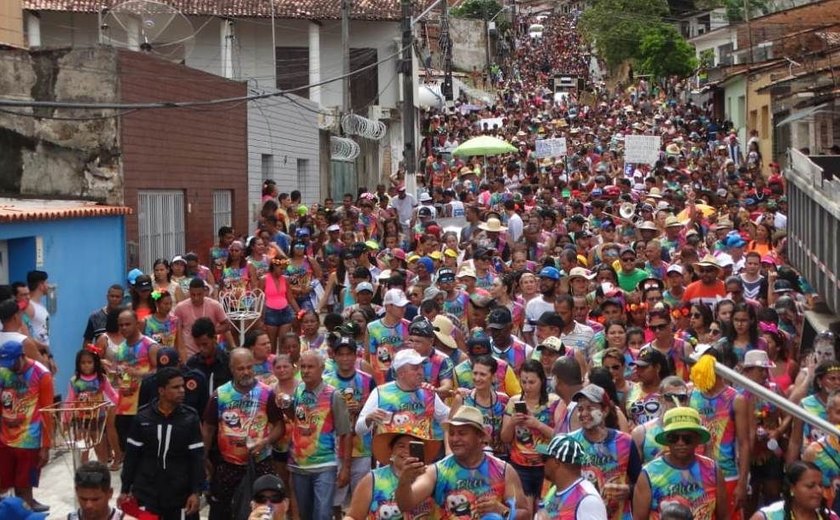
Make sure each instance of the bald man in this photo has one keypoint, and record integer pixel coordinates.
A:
(318, 416)
(245, 420)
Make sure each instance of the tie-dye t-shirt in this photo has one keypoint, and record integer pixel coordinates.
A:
(827, 457)
(313, 439)
(416, 408)
(383, 503)
(718, 416)
(458, 488)
(264, 370)
(642, 407)
(514, 355)
(138, 357)
(384, 343)
(464, 376)
(814, 406)
(564, 505)
(650, 448)
(21, 415)
(493, 416)
(523, 449)
(457, 306)
(162, 332)
(234, 278)
(356, 389)
(694, 487)
(608, 463)
(243, 421)
(91, 389)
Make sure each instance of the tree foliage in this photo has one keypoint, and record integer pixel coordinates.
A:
(479, 9)
(616, 27)
(664, 52)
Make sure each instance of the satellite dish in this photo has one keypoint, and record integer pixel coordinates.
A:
(148, 26)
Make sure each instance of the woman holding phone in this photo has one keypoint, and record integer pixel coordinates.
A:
(529, 422)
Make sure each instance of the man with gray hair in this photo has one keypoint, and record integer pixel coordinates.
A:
(409, 399)
(244, 420)
(321, 429)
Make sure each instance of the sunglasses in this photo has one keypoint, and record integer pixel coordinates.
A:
(683, 398)
(657, 328)
(686, 438)
(628, 259)
(88, 478)
(708, 270)
(274, 498)
(696, 315)
(714, 331)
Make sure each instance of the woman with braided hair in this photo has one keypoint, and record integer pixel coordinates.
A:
(803, 498)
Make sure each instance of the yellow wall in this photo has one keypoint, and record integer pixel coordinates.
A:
(759, 116)
(11, 22)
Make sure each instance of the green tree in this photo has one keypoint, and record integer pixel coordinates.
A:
(477, 9)
(616, 27)
(664, 52)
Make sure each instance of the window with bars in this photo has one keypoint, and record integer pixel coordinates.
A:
(222, 209)
(160, 220)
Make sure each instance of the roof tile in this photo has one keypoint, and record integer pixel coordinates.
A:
(24, 210)
(378, 10)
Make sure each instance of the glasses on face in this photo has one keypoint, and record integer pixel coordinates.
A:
(661, 326)
(714, 332)
(686, 438)
(696, 315)
(274, 498)
(682, 398)
(628, 258)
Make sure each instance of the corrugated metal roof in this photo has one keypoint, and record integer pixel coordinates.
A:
(381, 10)
(23, 210)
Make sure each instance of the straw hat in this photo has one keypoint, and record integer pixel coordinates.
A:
(708, 261)
(445, 329)
(383, 443)
(580, 272)
(757, 358)
(467, 416)
(682, 419)
(655, 193)
(672, 221)
(492, 225)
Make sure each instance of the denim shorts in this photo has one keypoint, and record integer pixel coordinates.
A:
(278, 318)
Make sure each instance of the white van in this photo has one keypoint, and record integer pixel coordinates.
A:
(535, 31)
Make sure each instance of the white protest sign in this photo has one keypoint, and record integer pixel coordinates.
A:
(554, 147)
(491, 122)
(642, 148)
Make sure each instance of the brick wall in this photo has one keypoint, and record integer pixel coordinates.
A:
(195, 150)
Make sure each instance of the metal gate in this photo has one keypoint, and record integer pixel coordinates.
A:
(343, 179)
(160, 223)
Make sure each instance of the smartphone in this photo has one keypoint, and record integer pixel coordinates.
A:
(417, 450)
(520, 407)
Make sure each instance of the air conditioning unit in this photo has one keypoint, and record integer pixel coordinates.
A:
(328, 119)
(380, 113)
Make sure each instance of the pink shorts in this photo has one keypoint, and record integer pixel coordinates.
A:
(20, 468)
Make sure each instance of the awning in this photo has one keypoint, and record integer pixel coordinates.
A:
(802, 114)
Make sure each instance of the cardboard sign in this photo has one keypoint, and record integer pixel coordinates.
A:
(555, 147)
(491, 122)
(642, 148)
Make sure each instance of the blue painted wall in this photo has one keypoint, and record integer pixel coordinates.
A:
(83, 257)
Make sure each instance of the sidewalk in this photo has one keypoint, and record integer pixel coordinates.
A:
(56, 489)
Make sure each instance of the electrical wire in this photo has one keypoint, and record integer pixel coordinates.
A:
(183, 104)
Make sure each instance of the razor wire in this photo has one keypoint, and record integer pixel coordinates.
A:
(343, 149)
(353, 124)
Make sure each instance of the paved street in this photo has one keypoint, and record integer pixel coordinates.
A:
(57, 489)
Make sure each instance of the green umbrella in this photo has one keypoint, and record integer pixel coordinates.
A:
(484, 145)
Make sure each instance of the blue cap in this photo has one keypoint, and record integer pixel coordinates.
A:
(597, 192)
(10, 351)
(133, 274)
(735, 241)
(550, 272)
(428, 264)
(13, 508)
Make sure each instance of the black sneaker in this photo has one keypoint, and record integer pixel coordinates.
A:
(38, 507)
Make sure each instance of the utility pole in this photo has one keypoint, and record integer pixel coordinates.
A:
(407, 69)
(446, 47)
(345, 49)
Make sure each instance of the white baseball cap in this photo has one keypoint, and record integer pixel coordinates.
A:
(407, 356)
(395, 297)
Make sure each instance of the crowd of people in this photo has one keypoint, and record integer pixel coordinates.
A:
(517, 342)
